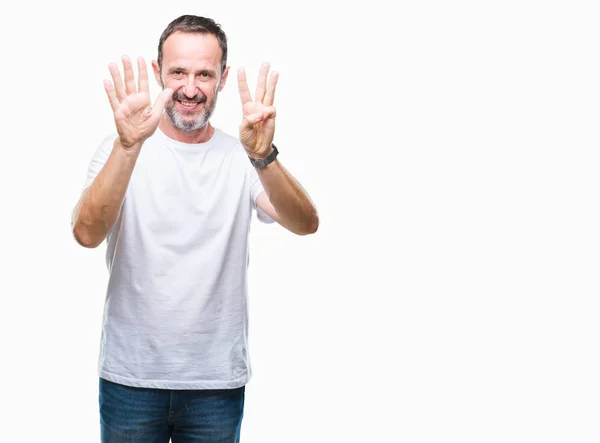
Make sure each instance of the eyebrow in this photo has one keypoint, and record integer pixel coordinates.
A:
(208, 71)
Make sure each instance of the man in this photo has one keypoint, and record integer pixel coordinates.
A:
(173, 197)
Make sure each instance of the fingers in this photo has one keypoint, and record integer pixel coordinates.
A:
(243, 87)
(120, 91)
(129, 75)
(261, 85)
(112, 95)
(117, 82)
(142, 75)
(265, 114)
(270, 96)
(269, 112)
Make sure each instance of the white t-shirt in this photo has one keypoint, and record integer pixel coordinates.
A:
(176, 313)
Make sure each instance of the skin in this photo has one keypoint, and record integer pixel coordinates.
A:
(190, 71)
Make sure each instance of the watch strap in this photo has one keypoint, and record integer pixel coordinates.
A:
(263, 162)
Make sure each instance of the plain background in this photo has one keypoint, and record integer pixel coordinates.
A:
(451, 292)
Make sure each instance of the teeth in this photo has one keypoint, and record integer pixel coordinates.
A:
(189, 103)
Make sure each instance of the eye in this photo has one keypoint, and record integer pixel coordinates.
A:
(177, 73)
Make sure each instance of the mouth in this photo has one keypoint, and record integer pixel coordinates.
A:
(189, 105)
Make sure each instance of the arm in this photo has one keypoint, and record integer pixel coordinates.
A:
(100, 204)
(136, 120)
(285, 200)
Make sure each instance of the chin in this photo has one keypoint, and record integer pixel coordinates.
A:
(190, 126)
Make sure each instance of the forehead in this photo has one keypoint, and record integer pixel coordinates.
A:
(183, 47)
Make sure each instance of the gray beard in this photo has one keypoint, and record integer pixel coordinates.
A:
(186, 125)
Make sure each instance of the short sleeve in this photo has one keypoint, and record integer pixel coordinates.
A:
(256, 188)
(99, 159)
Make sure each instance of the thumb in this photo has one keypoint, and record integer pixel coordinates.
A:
(263, 115)
(161, 100)
(159, 104)
(252, 119)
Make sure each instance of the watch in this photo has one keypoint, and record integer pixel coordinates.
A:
(263, 162)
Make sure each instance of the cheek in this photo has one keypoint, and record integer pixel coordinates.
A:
(209, 91)
(173, 83)
(215, 89)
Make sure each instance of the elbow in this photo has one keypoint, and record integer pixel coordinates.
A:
(87, 229)
(83, 237)
(311, 227)
(314, 227)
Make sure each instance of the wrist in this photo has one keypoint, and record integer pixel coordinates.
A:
(261, 163)
(255, 156)
(126, 151)
(130, 148)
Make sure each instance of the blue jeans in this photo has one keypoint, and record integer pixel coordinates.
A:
(150, 415)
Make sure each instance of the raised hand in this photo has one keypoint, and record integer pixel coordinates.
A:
(258, 123)
(135, 117)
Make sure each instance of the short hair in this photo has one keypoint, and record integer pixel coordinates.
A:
(194, 24)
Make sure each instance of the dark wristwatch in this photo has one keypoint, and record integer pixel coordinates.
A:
(263, 162)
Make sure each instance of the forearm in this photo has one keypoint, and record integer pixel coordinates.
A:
(290, 200)
(99, 206)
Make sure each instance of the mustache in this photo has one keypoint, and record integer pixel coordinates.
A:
(198, 98)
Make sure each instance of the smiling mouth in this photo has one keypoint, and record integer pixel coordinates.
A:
(188, 104)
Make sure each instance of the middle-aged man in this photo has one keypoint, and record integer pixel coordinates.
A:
(173, 196)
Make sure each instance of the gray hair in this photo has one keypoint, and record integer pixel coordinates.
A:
(194, 24)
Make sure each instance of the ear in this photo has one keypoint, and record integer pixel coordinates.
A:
(156, 70)
(224, 78)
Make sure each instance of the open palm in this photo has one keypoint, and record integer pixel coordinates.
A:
(135, 117)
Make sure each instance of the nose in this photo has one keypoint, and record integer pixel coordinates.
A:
(189, 89)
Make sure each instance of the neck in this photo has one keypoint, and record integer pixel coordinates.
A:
(201, 135)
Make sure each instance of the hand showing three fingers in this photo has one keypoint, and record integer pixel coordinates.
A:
(258, 123)
(135, 117)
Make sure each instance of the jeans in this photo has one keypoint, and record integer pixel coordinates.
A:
(151, 415)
